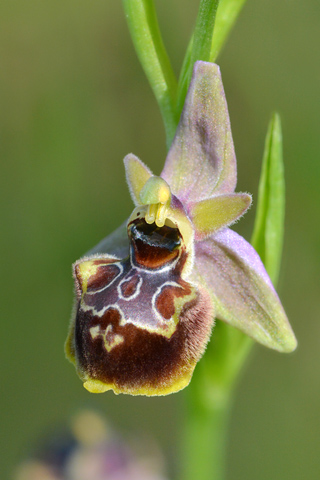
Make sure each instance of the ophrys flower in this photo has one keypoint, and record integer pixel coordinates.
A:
(148, 294)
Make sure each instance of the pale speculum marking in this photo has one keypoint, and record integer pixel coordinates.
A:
(136, 293)
(110, 339)
(129, 288)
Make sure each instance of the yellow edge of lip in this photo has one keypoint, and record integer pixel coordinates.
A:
(96, 386)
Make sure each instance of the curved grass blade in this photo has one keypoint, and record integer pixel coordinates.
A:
(146, 37)
(267, 236)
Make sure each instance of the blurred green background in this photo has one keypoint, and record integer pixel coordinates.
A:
(74, 101)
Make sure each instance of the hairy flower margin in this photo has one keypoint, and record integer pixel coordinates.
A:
(141, 322)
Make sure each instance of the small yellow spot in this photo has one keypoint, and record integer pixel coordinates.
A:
(110, 339)
(151, 213)
(95, 331)
(86, 269)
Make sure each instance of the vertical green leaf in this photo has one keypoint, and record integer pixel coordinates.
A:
(146, 37)
(199, 47)
(214, 22)
(227, 13)
(267, 236)
(203, 32)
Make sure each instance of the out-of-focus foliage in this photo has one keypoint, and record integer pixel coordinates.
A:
(74, 101)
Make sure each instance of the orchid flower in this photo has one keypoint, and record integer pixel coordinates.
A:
(147, 295)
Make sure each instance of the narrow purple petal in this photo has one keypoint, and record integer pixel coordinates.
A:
(242, 290)
(201, 161)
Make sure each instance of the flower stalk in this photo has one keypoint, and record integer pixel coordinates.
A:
(147, 40)
(214, 22)
(204, 440)
(200, 46)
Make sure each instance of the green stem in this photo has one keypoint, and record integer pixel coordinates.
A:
(208, 401)
(146, 37)
(199, 47)
(205, 439)
(203, 32)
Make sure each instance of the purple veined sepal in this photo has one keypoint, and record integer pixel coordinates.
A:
(201, 161)
(242, 291)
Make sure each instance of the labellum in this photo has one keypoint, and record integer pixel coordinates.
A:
(139, 326)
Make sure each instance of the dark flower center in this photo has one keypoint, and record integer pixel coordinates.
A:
(153, 246)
